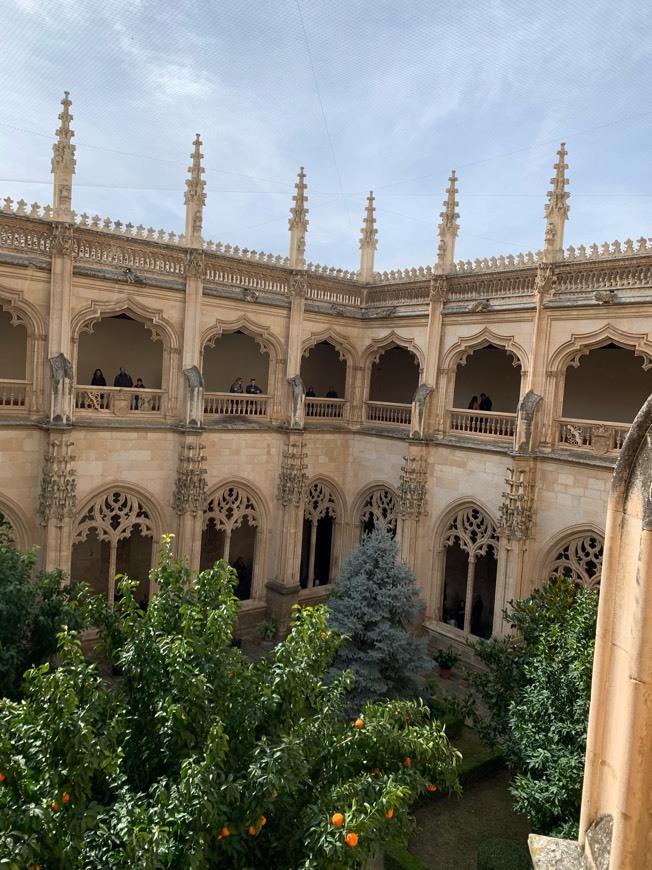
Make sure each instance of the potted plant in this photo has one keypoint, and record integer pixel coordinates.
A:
(268, 630)
(446, 659)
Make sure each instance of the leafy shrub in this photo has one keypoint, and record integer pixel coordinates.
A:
(32, 612)
(197, 758)
(537, 689)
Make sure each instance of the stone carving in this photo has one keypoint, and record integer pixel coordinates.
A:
(298, 284)
(63, 150)
(516, 510)
(380, 511)
(249, 295)
(448, 228)
(121, 404)
(195, 397)
(298, 401)
(62, 384)
(525, 421)
(412, 488)
(229, 508)
(61, 239)
(195, 264)
(114, 516)
(545, 281)
(479, 305)
(419, 409)
(602, 438)
(605, 297)
(58, 498)
(133, 278)
(293, 476)
(190, 486)
(438, 289)
(580, 559)
(376, 313)
(319, 503)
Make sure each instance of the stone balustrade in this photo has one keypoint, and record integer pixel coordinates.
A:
(13, 394)
(598, 436)
(236, 405)
(388, 413)
(490, 423)
(333, 409)
(118, 401)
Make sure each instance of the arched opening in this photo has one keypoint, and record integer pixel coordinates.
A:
(487, 382)
(394, 376)
(120, 341)
(319, 517)
(230, 533)
(114, 536)
(469, 568)
(608, 384)
(580, 559)
(379, 511)
(324, 376)
(13, 361)
(235, 367)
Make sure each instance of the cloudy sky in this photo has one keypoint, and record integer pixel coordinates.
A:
(387, 95)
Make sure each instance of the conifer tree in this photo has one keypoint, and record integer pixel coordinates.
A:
(375, 605)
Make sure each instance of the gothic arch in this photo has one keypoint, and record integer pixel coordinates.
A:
(321, 539)
(335, 488)
(345, 349)
(149, 502)
(160, 328)
(22, 312)
(24, 533)
(466, 345)
(378, 346)
(250, 489)
(453, 510)
(377, 501)
(262, 335)
(580, 344)
(577, 551)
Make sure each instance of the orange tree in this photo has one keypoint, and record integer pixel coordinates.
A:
(197, 758)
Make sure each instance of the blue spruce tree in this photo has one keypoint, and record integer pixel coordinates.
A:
(375, 604)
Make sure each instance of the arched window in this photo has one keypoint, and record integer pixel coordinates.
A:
(114, 536)
(471, 551)
(379, 511)
(230, 523)
(581, 560)
(319, 515)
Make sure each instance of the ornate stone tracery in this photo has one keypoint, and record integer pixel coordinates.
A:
(319, 503)
(581, 560)
(58, 497)
(190, 487)
(516, 509)
(293, 476)
(381, 509)
(412, 488)
(473, 531)
(228, 509)
(114, 516)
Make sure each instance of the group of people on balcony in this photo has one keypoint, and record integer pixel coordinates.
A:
(240, 406)
(122, 379)
(331, 394)
(482, 404)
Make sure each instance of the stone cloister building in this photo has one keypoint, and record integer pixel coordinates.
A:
(486, 503)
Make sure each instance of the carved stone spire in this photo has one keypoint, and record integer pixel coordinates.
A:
(63, 164)
(448, 229)
(195, 197)
(557, 210)
(368, 241)
(299, 224)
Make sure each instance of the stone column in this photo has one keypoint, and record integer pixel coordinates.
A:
(411, 501)
(283, 590)
(57, 502)
(298, 289)
(61, 248)
(61, 391)
(189, 499)
(433, 417)
(191, 352)
(514, 530)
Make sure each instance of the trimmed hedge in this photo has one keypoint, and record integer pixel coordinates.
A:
(398, 858)
(498, 854)
(454, 722)
(480, 765)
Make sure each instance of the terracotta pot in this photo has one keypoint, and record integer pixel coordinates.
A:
(445, 673)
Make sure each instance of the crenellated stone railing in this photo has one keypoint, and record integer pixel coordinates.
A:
(388, 413)
(236, 405)
(484, 423)
(13, 394)
(598, 436)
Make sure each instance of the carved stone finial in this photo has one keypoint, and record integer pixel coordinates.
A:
(368, 241)
(63, 163)
(556, 210)
(545, 281)
(195, 197)
(448, 228)
(298, 224)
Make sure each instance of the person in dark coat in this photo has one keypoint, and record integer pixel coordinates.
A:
(122, 379)
(485, 402)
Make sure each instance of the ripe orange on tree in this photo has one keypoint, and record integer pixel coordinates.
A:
(337, 819)
(351, 839)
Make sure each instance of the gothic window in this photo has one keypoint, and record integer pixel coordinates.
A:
(471, 550)
(230, 522)
(379, 512)
(581, 560)
(114, 536)
(319, 516)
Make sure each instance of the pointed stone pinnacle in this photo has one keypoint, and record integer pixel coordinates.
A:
(369, 231)
(195, 185)
(299, 211)
(63, 150)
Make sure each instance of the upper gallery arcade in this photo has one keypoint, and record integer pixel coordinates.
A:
(356, 406)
